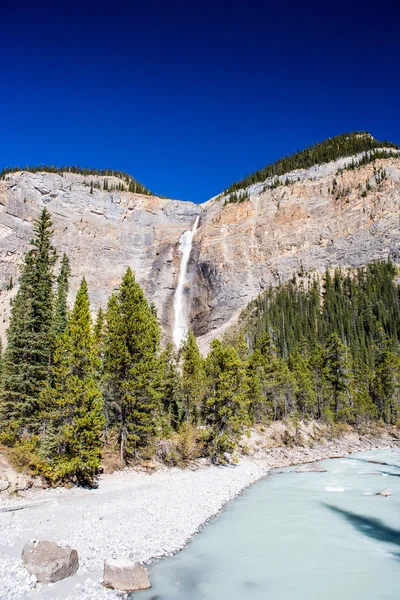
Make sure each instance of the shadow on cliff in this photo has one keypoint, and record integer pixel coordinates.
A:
(369, 526)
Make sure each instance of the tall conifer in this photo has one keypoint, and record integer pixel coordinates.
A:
(132, 374)
(72, 444)
(192, 378)
(30, 336)
(61, 301)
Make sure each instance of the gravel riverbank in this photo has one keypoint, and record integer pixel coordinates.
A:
(134, 514)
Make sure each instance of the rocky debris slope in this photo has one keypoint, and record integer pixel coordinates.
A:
(321, 219)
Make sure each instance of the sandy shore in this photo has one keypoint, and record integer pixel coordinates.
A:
(137, 515)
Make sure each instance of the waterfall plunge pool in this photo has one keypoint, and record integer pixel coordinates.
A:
(297, 536)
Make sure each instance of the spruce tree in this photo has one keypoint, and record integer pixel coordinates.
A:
(30, 335)
(71, 446)
(172, 396)
(61, 301)
(226, 407)
(305, 396)
(99, 328)
(192, 378)
(337, 373)
(132, 369)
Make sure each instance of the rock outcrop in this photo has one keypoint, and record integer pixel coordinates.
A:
(386, 492)
(125, 575)
(49, 562)
(323, 218)
(310, 469)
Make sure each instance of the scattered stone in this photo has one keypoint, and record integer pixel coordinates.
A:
(386, 492)
(4, 485)
(49, 562)
(125, 575)
(310, 469)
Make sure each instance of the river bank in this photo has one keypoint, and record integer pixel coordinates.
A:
(143, 516)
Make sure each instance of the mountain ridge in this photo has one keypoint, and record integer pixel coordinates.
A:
(327, 216)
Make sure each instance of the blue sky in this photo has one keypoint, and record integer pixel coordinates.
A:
(190, 96)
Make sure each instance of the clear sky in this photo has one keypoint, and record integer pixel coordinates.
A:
(190, 96)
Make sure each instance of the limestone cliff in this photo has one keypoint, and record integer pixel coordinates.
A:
(320, 219)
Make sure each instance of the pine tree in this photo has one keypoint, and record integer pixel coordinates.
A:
(337, 373)
(1, 363)
(71, 445)
(172, 396)
(226, 399)
(385, 385)
(30, 337)
(61, 301)
(132, 373)
(192, 378)
(99, 328)
(305, 396)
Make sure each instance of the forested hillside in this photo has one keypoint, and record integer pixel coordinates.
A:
(338, 335)
(128, 183)
(346, 144)
(71, 390)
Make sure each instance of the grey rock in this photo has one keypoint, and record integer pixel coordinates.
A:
(48, 561)
(4, 485)
(238, 250)
(125, 575)
(386, 492)
(314, 468)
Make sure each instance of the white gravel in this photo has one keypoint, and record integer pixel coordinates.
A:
(134, 515)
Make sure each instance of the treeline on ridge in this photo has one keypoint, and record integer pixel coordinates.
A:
(346, 144)
(71, 390)
(131, 184)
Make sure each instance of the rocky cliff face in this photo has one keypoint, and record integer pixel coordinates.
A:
(102, 232)
(321, 219)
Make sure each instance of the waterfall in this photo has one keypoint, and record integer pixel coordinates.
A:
(180, 328)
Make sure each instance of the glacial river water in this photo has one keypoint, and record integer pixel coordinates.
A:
(297, 536)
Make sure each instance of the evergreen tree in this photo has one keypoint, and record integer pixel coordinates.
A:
(305, 395)
(226, 404)
(71, 445)
(172, 397)
(30, 337)
(61, 302)
(385, 386)
(337, 373)
(1, 363)
(100, 327)
(132, 373)
(192, 378)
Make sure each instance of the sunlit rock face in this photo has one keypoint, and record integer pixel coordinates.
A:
(322, 219)
(102, 232)
(311, 224)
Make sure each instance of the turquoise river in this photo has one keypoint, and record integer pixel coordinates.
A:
(297, 536)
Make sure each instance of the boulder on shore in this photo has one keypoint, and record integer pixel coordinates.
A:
(48, 561)
(125, 575)
(313, 468)
(385, 492)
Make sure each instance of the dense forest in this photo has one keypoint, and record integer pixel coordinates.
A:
(71, 390)
(347, 144)
(131, 185)
(339, 335)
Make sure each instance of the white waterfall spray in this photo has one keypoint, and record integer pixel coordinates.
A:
(180, 306)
